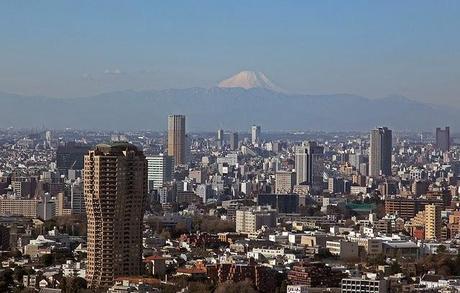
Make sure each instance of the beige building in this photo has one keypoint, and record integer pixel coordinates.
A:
(23, 207)
(115, 187)
(284, 182)
(249, 221)
(176, 138)
(343, 249)
(432, 222)
(371, 246)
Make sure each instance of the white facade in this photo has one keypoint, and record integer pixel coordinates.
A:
(160, 170)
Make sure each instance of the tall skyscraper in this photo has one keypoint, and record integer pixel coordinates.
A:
(255, 134)
(443, 139)
(234, 141)
(160, 170)
(176, 138)
(309, 164)
(115, 188)
(220, 137)
(380, 152)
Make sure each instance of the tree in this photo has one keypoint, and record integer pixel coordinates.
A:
(19, 273)
(395, 268)
(441, 249)
(165, 234)
(6, 280)
(46, 260)
(72, 284)
(239, 287)
(212, 224)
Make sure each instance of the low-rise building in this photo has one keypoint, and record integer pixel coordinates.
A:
(343, 249)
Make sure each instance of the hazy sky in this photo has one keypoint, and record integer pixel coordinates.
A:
(371, 48)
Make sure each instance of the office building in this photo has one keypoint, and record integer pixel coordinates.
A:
(255, 134)
(160, 170)
(176, 139)
(380, 152)
(234, 141)
(115, 188)
(335, 185)
(309, 165)
(23, 187)
(70, 157)
(443, 139)
(220, 138)
(205, 192)
(364, 285)
(77, 198)
(21, 207)
(249, 221)
(282, 203)
(407, 208)
(343, 249)
(284, 182)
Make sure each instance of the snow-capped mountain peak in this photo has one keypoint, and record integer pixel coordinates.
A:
(249, 79)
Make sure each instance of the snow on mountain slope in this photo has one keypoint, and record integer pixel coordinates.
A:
(250, 79)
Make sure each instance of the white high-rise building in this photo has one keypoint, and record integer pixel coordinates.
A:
(77, 198)
(159, 170)
(309, 164)
(255, 134)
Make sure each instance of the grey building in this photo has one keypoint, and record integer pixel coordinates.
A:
(309, 164)
(70, 156)
(380, 152)
(160, 170)
(443, 139)
(220, 138)
(282, 203)
(234, 141)
(255, 134)
(362, 285)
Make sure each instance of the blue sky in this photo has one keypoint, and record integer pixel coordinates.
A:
(370, 48)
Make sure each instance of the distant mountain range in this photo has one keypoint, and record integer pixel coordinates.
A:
(229, 107)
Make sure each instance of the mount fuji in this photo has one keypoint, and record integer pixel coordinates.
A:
(248, 80)
(236, 103)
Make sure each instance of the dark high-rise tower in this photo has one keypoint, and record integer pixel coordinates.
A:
(234, 141)
(443, 139)
(380, 152)
(115, 188)
(255, 134)
(70, 156)
(176, 138)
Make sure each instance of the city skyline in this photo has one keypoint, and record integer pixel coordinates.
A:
(229, 146)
